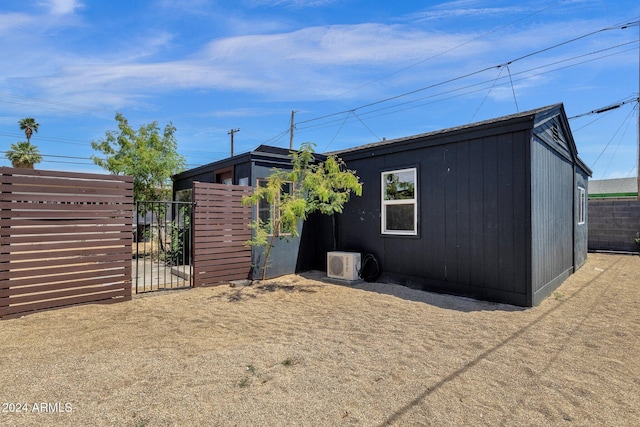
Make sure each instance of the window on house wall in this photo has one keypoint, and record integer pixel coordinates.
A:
(399, 202)
(183, 195)
(224, 176)
(268, 213)
(582, 205)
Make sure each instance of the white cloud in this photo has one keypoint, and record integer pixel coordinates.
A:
(342, 45)
(11, 21)
(311, 63)
(291, 3)
(62, 7)
(463, 9)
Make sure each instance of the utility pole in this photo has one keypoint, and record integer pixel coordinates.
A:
(231, 132)
(293, 126)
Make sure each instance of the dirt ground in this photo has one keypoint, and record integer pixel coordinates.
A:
(299, 351)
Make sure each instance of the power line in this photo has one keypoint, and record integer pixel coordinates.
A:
(47, 138)
(486, 96)
(443, 52)
(606, 108)
(464, 76)
(52, 105)
(512, 88)
(59, 156)
(611, 139)
(619, 142)
(394, 108)
(338, 131)
(489, 81)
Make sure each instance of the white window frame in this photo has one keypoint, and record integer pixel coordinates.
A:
(385, 203)
(582, 205)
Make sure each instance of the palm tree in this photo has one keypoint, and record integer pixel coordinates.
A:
(23, 155)
(28, 125)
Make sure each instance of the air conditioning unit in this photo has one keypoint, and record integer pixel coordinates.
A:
(343, 265)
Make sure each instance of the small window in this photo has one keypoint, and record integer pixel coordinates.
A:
(582, 205)
(399, 202)
(268, 214)
(184, 195)
(224, 176)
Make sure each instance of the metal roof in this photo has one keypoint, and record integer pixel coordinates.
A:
(530, 114)
(535, 117)
(614, 186)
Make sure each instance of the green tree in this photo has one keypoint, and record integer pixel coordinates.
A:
(23, 155)
(316, 187)
(148, 155)
(29, 126)
(151, 157)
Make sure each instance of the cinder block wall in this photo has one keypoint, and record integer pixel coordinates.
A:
(613, 224)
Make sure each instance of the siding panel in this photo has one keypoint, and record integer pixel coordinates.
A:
(506, 214)
(477, 235)
(552, 217)
(463, 213)
(490, 218)
(452, 227)
(432, 203)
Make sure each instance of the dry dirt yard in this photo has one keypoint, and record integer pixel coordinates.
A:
(299, 351)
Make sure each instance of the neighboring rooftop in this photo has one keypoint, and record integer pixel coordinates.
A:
(618, 187)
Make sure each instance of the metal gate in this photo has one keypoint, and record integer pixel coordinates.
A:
(163, 247)
(190, 244)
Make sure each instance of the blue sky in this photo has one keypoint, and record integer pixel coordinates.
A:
(355, 71)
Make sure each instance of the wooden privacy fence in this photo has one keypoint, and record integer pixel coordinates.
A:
(220, 229)
(65, 238)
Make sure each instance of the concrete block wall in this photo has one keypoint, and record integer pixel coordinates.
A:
(613, 224)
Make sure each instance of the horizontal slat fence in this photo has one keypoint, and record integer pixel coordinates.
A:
(65, 239)
(220, 225)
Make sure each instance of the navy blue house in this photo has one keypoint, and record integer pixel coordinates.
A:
(246, 169)
(495, 210)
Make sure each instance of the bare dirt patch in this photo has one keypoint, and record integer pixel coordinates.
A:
(300, 351)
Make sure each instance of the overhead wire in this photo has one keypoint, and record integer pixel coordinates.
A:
(628, 123)
(486, 96)
(370, 114)
(52, 105)
(367, 127)
(607, 108)
(63, 106)
(337, 132)
(628, 24)
(481, 36)
(512, 89)
(592, 166)
(45, 158)
(515, 74)
(48, 138)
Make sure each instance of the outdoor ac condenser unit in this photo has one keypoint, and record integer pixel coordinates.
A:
(343, 265)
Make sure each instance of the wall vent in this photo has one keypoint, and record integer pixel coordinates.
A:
(555, 132)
